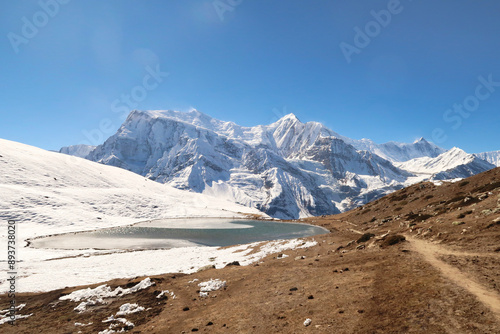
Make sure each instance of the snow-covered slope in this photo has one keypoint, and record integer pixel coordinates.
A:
(80, 150)
(452, 164)
(287, 169)
(492, 157)
(49, 192)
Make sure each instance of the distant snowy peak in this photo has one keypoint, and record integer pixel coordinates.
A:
(398, 152)
(451, 164)
(288, 118)
(293, 137)
(81, 151)
(492, 157)
(420, 140)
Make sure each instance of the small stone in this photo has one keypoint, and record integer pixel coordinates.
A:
(194, 330)
(486, 212)
(293, 289)
(207, 267)
(185, 309)
(310, 297)
(307, 322)
(456, 223)
(234, 263)
(210, 323)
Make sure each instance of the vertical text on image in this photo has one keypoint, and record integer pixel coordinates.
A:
(12, 268)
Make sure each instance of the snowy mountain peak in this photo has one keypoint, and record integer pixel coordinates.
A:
(455, 153)
(448, 165)
(456, 150)
(421, 140)
(287, 121)
(289, 117)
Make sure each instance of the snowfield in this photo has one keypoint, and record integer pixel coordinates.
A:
(50, 193)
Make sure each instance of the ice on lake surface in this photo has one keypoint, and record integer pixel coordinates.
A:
(171, 233)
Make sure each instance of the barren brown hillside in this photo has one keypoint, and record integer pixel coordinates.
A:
(425, 259)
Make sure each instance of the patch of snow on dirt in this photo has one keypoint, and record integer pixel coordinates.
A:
(166, 292)
(211, 285)
(129, 309)
(96, 296)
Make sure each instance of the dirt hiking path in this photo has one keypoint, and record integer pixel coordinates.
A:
(430, 253)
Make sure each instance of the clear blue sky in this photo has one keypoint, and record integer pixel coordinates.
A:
(251, 61)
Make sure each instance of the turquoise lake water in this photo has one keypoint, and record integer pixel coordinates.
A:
(180, 233)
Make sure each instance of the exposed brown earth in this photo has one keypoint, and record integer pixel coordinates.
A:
(443, 278)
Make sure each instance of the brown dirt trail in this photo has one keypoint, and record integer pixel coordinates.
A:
(431, 252)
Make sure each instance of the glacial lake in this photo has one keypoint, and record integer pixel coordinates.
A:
(171, 233)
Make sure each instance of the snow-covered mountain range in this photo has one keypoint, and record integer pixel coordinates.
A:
(492, 157)
(398, 152)
(287, 169)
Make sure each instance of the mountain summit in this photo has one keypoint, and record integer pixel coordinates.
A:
(420, 140)
(287, 169)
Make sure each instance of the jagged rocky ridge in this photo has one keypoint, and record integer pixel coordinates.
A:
(287, 169)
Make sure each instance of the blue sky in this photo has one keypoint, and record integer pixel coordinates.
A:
(384, 70)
